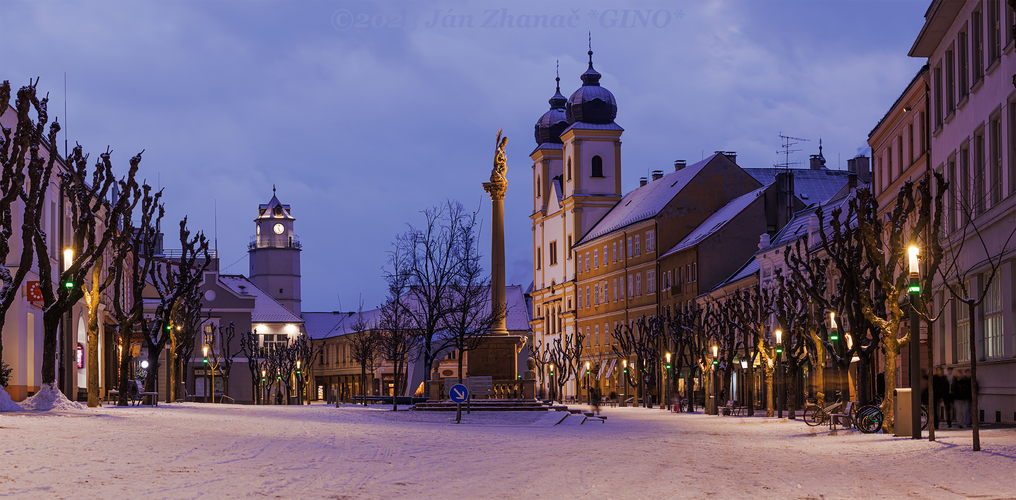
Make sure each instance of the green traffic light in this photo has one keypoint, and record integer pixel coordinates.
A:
(69, 284)
(668, 367)
(915, 289)
(779, 350)
(834, 337)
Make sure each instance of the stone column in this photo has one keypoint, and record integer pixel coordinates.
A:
(497, 187)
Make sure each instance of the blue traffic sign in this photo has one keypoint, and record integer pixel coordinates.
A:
(459, 393)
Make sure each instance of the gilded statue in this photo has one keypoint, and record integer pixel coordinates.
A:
(498, 184)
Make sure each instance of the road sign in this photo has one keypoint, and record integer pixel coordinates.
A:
(459, 393)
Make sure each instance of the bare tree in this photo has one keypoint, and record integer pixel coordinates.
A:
(471, 313)
(26, 177)
(961, 264)
(257, 363)
(129, 284)
(172, 281)
(566, 355)
(398, 338)
(364, 350)
(303, 351)
(188, 323)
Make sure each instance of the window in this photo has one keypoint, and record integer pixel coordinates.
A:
(963, 197)
(615, 289)
(596, 294)
(995, 135)
(651, 281)
(939, 117)
(629, 247)
(272, 342)
(910, 143)
(587, 336)
(952, 215)
(638, 250)
(889, 162)
(569, 168)
(638, 284)
(587, 297)
(606, 333)
(977, 44)
(694, 271)
(587, 261)
(596, 259)
(614, 252)
(569, 247)
(604, 255)
(650, 241)
(979, 169)
(553, 253)
(899, 154)
(950, 82)
(963, 69)
(666, 280)
(539, 260)
(580, 263)
(597, 166)
(631, 285)
(596, 335)
(994, 31)
(993, 320)
(537, 186)
(962, 331)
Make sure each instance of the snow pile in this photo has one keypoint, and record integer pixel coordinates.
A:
(6, 403)
(50, 398)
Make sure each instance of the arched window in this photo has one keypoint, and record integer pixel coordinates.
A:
(597, 166)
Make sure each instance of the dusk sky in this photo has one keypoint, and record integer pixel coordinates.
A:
(362, 114)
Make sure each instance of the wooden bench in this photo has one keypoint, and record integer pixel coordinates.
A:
(847, 414)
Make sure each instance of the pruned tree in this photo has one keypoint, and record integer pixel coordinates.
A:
(302, 350)
(251, 347)
(129, 284)
(566, 355)
(187, 333)
(26, 174)
(172, 281)
(625, 347)
(751, 307)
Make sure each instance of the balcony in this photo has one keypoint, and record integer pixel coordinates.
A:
(266, 241)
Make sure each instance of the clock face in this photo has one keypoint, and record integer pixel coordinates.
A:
(279, 229)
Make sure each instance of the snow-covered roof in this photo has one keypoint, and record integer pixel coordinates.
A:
(749, 268)
(646, 201)
(593, 126)
(798, 226)
(266, 309)
(715, 221)
(323, 325)
(810, 186)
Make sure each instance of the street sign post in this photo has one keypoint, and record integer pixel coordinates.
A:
(458, 393)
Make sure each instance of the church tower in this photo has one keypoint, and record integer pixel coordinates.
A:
(275, 254)
(576, 180)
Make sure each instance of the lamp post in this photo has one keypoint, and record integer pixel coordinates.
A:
(915, 345)
(781, 395)
(624, 375)
(668, 381)
(299, 384)
(745, 383)
(553, 386)
(264, 374)
(714, 382)
(589, 390)
(204, 361)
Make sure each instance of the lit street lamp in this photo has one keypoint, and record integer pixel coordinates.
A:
(624, 375)
(589, 390)
(780, 393)
(668, 381)
(204, 354)
(553, 386)
(915, 345)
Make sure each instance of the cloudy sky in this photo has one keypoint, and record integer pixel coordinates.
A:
(364, 113)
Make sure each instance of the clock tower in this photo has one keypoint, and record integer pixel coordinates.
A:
(275, 254)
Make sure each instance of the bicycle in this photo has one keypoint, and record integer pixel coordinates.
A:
(815, 415)
(869, 419)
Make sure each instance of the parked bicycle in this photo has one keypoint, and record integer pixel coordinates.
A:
(869, 419)
(817, 415)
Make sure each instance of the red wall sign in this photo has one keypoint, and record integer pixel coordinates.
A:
(34, 293)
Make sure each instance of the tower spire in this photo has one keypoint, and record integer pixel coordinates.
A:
(590, 50)
(557, 71)
(273, 189)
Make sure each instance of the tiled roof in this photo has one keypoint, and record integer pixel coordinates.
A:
(717, 220)
(646, 201)
(593, 126)
(266, 309)
(749, 268)
(810, 186)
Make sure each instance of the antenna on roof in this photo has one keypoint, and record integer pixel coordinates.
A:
(788, 143)
(215, 225)
(65, 116)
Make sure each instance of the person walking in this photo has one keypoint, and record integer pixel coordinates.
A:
(961, 395)
(942, 398)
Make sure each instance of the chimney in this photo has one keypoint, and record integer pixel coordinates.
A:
(817, 162)
(657, 175)
(860, 165)
(643, 181)
(731, 155)
(763, 241)
(679, 165)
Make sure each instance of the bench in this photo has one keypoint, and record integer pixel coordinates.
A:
(111, 395)
(847, 415)
(137, 394)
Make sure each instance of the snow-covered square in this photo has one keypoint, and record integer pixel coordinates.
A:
(195, 450)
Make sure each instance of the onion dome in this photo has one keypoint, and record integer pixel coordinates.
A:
(591, 103)
(550, 126)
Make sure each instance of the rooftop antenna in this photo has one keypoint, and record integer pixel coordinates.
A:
(788, 143)
(215, 225)
(65, 115)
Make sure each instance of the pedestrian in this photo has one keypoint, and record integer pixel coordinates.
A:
(950, 411)
(961, 397)
(594, 394)
(941, 385)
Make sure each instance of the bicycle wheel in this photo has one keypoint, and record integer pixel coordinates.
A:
(813, 415)
(924, 418)
(869, 419)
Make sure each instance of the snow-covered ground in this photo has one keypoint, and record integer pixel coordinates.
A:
(197, 450)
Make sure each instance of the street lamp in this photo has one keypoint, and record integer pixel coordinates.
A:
(204, 354)
(299, 384)
(589, 391)
(264, 387)
(781, 394)
(624, 375)
(713, 380)
(668, 381)
(915, 344)
(553, 386)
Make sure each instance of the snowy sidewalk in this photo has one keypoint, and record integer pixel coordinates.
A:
(215, 451)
